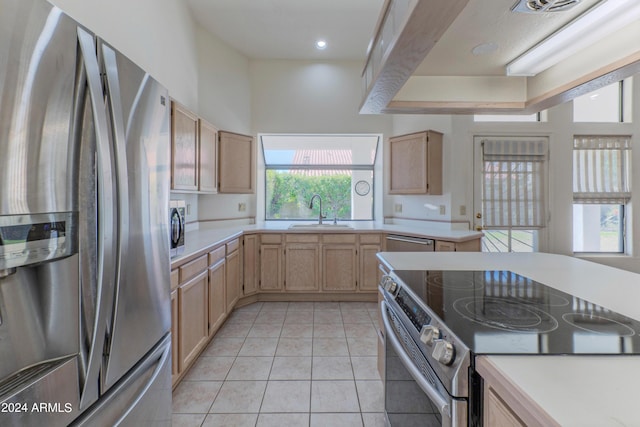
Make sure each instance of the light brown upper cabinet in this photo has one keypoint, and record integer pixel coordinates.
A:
(236, 163)
(184, 148)
(207, 169)
(416, 163)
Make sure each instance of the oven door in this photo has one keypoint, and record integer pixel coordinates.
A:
(413, 396)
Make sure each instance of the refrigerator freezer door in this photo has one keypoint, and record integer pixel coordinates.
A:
(142, 398)
(138, 109)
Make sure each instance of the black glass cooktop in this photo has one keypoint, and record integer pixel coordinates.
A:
(500, 312)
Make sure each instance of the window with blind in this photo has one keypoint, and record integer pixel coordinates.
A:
(513, 193)
(601, 192)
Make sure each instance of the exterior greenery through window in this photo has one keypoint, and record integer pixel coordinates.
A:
(339, 168)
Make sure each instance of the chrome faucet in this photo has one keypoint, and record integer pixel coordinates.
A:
(320, 216)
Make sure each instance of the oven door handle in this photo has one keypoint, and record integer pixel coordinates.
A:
(440, 402)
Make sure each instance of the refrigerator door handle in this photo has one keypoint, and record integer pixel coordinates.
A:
(114, 105)
(105, 241)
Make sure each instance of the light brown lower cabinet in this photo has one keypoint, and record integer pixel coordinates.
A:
(250, 264)
(302, 272)
(233, 279)
(497, 413)
(193, 319)
(505, 403)
(339, 267)
(370, 274)
(271, 260)
(217, 297)
(174, 336)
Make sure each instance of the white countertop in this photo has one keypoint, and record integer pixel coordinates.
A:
(198, 240)
(575, 390)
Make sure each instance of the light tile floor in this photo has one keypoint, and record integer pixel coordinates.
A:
(287, 364)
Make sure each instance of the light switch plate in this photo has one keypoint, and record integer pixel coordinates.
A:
(398, 207)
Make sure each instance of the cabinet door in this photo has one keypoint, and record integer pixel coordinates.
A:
(302, 271)
(370, 274)
(174, 336)
(339, 267)
(193, 320)
(217, 296)
(184, 148)
(416, 163)
(271, 268)
(208, 182)
(236, 163)
(497, 413)
(250, 265)
(233, 279)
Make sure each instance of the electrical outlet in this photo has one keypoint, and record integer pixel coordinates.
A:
(463, 210)
(242, 207)
(442, 209)
(398, 208)
(188, 208)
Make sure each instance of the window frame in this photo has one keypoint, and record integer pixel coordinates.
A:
(349, 167)
(599, 198)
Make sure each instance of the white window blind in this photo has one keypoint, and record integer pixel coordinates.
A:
(601, 169)
(513, 184)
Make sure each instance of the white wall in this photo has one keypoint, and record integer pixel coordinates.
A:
(311, 97)
(158, 35)
(224, 100)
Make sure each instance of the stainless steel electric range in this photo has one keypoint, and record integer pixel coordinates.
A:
(437, 322)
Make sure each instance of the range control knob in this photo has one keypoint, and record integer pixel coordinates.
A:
(444, 352)
(429, 333)
(389, 285)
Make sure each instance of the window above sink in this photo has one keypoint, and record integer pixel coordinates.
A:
(339, 168)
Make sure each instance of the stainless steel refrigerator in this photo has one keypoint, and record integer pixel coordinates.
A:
(84, 240)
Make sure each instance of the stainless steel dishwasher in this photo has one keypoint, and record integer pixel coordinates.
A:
(397, 243)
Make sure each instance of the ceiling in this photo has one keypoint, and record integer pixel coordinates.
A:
(288, 29)
(447, 77)
(491, 21)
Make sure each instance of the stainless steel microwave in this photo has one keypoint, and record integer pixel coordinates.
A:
(177, 212)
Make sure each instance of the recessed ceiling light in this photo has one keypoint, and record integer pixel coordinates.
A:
(484, 48)
(321, 44)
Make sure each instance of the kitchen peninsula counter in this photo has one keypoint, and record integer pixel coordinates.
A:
(573, 390)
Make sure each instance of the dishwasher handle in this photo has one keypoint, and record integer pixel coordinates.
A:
(416, 240)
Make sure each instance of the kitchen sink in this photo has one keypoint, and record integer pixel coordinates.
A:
(320, 227)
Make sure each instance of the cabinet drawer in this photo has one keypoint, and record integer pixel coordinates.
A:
(442, 246)
(370, 239)
(192, 268)
(302, 238)
(175, 278)
(270, 239)
(232, 246)
(216, 255)
(339, 238)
